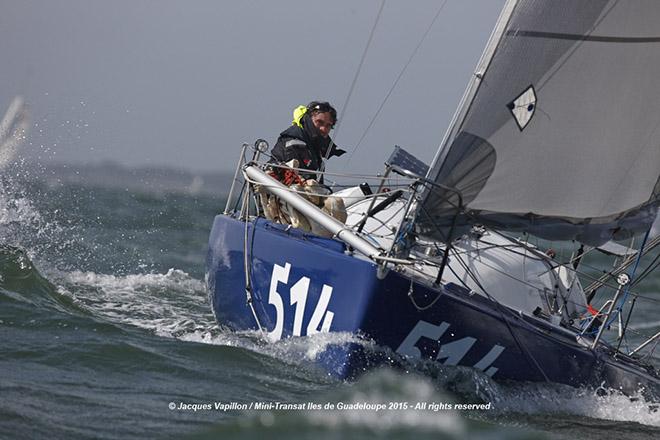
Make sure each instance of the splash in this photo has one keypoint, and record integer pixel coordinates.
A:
(171, 305)
(539, 399)
(22, 222)
(381, 404)
(387, 387)
(175, 305)
(556, 399)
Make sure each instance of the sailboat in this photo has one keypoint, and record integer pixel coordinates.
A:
(555, 141)
(13, 129)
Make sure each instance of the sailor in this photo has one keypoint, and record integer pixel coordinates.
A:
(307, 140)
(303, 146)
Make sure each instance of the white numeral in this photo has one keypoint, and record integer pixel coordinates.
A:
(280, 275)
(453, 352)
(321, 312)
(321, 317)
(299, 298)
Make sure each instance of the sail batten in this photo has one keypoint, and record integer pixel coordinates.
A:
(561, 136)
(582, 37)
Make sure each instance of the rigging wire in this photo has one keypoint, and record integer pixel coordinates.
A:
(516, 243)
(357, 72)
(387, 96)
(308, 193)
(499, 306)
(653, 265)
(645, 272)
(566, 300)
(625, 326)
(357, 176)
(626, 292)
(501, 309)
(352, 87)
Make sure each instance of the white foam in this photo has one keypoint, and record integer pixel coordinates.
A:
(176, 305)
(174, 279)
(385, 387)
(290, 350)
(21, 224)
(169, 304)
(561, 399)
(17, 210)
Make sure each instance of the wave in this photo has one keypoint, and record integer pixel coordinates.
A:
(174, 305)
(390, 404)
(576, 411)
(381, 404)
(21, 281)
(160, 320)
(171, 304)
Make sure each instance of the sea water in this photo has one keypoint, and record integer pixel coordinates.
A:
(106, 332)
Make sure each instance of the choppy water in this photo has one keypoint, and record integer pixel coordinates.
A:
(105, 322)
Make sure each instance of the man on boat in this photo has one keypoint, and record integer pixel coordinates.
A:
(299, 152)
(307, 140)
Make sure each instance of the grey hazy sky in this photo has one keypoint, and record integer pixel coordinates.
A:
(184, 83)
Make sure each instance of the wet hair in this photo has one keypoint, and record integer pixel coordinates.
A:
(322, 107)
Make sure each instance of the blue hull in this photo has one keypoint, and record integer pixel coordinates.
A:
(302, 284)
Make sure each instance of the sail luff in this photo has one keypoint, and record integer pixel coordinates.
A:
(473, 85)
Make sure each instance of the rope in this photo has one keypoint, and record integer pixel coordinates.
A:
(327, 173)
(246, 264)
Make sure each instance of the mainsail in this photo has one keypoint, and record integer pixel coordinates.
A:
(559, 133)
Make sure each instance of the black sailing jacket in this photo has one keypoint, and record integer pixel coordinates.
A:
(305, 144)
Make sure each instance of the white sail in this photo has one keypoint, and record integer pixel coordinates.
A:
(13, 129)
(560, 136)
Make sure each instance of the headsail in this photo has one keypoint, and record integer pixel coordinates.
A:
(560, 132)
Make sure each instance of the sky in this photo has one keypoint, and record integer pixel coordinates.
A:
(184, 83)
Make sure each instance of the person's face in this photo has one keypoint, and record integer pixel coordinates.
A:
(323, 122)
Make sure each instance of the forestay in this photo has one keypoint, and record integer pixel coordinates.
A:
(559, 132)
